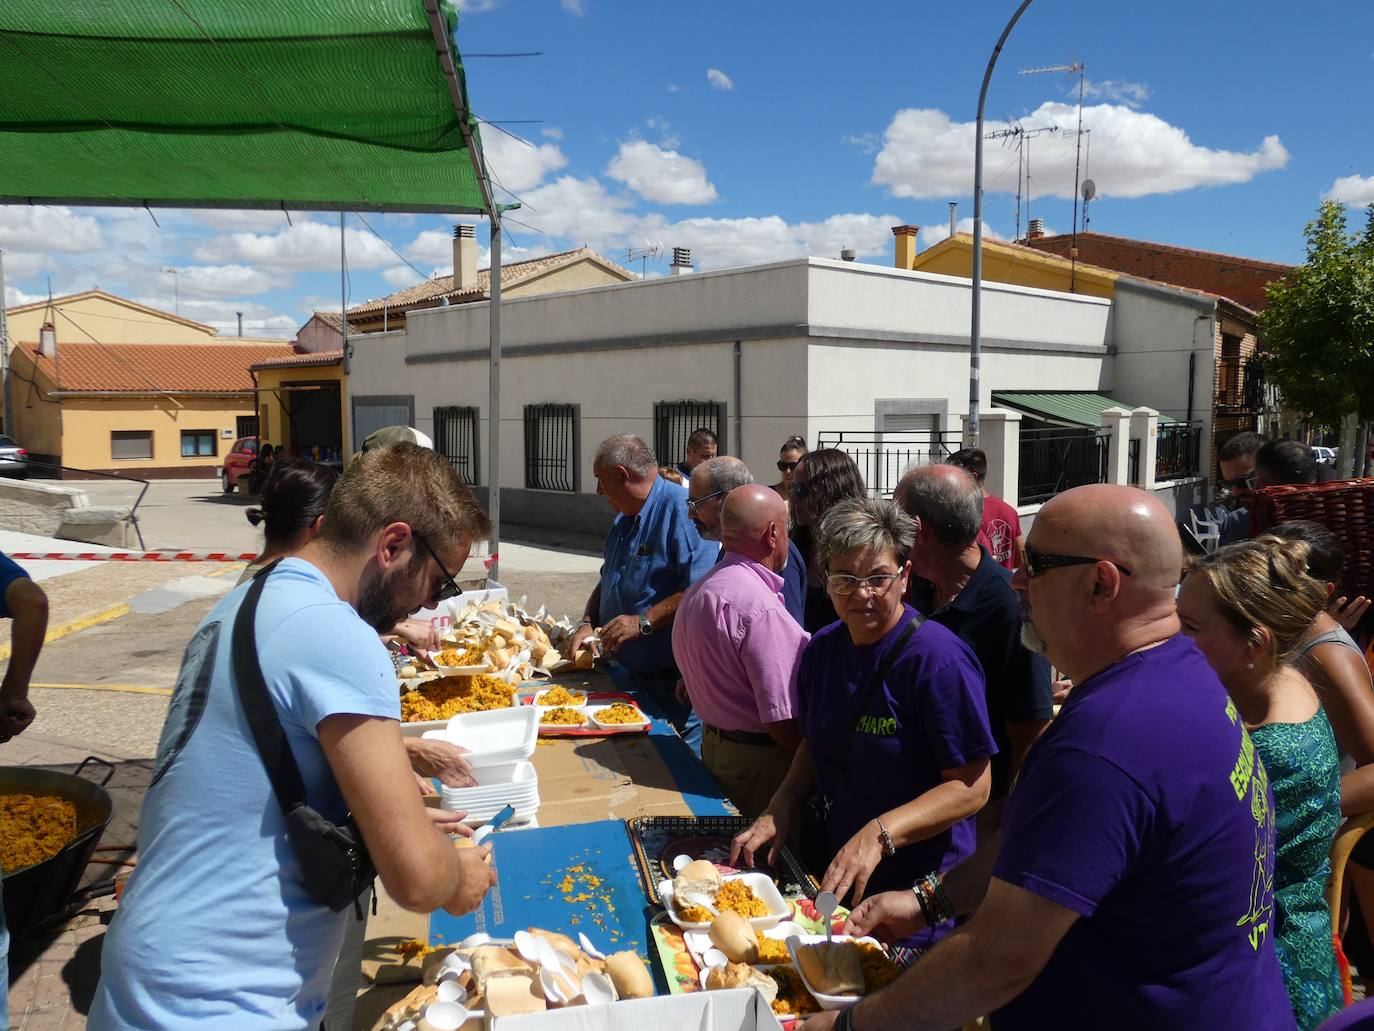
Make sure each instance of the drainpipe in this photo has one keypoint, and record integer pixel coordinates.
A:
(739, 395)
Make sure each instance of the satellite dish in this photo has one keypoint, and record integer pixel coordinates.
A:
(1089, 189)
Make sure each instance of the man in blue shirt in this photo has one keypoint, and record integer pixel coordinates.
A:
(23, 601)
(653, 554)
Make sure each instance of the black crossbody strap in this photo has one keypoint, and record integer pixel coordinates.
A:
(871, 690)
(257, 704)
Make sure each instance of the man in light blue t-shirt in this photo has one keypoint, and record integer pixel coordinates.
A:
(216, 929)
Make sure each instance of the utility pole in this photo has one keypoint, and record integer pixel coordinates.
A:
(176, 289)
(5, 353)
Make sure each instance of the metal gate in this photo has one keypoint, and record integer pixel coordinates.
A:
(455, 437)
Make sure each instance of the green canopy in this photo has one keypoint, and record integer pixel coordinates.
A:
(299, 104)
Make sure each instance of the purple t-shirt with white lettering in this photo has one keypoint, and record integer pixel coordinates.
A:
(929, 715)
(1145, 809)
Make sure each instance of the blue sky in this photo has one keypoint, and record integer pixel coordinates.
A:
(757, 131)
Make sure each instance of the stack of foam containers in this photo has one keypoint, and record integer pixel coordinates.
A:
(499, 743)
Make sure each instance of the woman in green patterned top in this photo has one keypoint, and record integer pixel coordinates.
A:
(1248, 606)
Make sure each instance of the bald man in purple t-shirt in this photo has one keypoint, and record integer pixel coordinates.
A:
(1133, 885)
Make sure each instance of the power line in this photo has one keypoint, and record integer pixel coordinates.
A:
(387, 244)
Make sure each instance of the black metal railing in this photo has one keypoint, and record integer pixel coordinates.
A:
(455, 437)
(1178, 451)
(246, 426)
(882, 458)
(551, 446)
(675, 421)
(1133, 460)
(1055, 459)
(56, 470)
(1240, 384)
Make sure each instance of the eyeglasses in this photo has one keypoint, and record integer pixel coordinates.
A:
(694, 504)
(448, 587)
(1241, 482)
(1038, 562)
(844, 584)
(785, 467)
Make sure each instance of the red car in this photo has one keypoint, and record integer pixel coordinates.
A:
(236, 462)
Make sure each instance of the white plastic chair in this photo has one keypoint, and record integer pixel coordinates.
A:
(1207, 531)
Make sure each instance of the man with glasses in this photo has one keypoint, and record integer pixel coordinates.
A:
(1236, 460)
(1132, 886)
(217, 927)
(653, 552)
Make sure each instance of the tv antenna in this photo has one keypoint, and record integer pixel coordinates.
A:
(1080, 69)
(1020, 138)
(651, 249)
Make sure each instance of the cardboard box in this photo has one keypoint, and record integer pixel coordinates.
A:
(736, 1009)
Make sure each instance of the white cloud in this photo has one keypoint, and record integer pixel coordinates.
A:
(662, 176)
(44, 228)
(259, 320)
(400, 276)
(477, 6)
(719, 79)
(1132, 94)
(306, 245)
(583, 211)
(1354, 190)
(552, 132)
(578, 7)
(246, 221)
(220, 281)
(864, 142)
(674, 88)
(933, 234)
(1135, 154)
(430, 246)
(519, 166)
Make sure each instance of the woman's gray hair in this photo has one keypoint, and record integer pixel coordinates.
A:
(864, 523)
(629, 451)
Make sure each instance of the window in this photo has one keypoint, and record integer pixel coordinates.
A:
(551, 447)
(126, 445)
(246, 426)
(455, 437)
(675, 421)
(197, 443)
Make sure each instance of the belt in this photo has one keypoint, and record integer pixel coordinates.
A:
(740, 737)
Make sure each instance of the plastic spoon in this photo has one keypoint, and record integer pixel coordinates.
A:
(826, 904)
(679, 862)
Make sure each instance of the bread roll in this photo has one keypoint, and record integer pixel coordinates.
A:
(494, 961)
(741, 975)
(629, 975)
(507, 996)
(735, 937)
(832, 968)
(696, 884)
(584, 659)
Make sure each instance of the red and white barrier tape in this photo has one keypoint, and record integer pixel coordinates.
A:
(137, 556)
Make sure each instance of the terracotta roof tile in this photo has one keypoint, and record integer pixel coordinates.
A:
(442, 286)
(301, 360)
(221, 367)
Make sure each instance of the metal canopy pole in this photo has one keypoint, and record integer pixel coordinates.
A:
(976, 321)
(494, 405)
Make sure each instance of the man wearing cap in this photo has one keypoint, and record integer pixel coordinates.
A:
(390, 436)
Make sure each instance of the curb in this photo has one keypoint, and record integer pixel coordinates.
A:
(75, 626)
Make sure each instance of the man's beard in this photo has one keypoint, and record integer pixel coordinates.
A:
(1030, 637)
(379, 606)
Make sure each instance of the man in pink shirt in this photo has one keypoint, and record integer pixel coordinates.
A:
(738, 650)
(1001, 524)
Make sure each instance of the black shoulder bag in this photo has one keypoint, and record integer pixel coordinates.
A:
(815, 811)
(335, 866)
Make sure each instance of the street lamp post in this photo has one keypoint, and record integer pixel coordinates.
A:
(976, 321)
(176, 289)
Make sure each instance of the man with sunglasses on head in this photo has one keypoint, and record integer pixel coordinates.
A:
(653, 553)
(1132, 886)
(219, 926)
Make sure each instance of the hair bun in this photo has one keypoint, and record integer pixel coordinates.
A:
(255, 515)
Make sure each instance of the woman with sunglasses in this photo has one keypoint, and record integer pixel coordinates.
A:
(1249, 607)
(895, 730)
(821, 480)
(792, 451)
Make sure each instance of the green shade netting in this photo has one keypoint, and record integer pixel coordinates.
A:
(338, 104)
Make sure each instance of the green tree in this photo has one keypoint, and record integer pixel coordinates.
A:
(1318, 331)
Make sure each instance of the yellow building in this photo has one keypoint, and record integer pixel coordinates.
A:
(1004, 263)
(300, 404)
(145, 410)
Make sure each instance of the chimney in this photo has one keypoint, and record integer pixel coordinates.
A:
(47, 340)
(1035, 229)
(847, 254)
(953, 217)
(682, 261)
(464, 257)
(240, 318)
(906, 245)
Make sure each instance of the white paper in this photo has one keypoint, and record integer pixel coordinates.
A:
(735, 1009)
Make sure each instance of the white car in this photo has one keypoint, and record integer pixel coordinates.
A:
(1324, 455)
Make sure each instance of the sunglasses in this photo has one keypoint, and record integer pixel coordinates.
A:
(448, 587)
(1038, 562)
(844, 584)
(1241, 482)
(786, 467)
(694, 504)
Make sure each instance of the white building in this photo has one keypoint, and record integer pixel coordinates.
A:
(808, 346)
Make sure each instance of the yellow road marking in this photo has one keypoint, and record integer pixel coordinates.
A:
(126, 688)
(237, 567)
(75, 626)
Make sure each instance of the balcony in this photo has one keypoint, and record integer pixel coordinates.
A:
(1240, 385)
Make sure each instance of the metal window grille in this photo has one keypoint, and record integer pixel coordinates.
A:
(1055, 459)
(675, 421)
(1178, 450)
(246, 426)
(551, 447)
(455, 437)
(1133, 460)
(884, 457)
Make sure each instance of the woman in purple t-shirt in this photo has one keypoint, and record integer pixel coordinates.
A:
(896, 736)
(1249, 606)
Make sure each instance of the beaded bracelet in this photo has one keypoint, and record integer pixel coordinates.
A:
(925, 902)
(940, 903)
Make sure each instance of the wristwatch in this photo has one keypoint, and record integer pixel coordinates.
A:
(645, 627)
